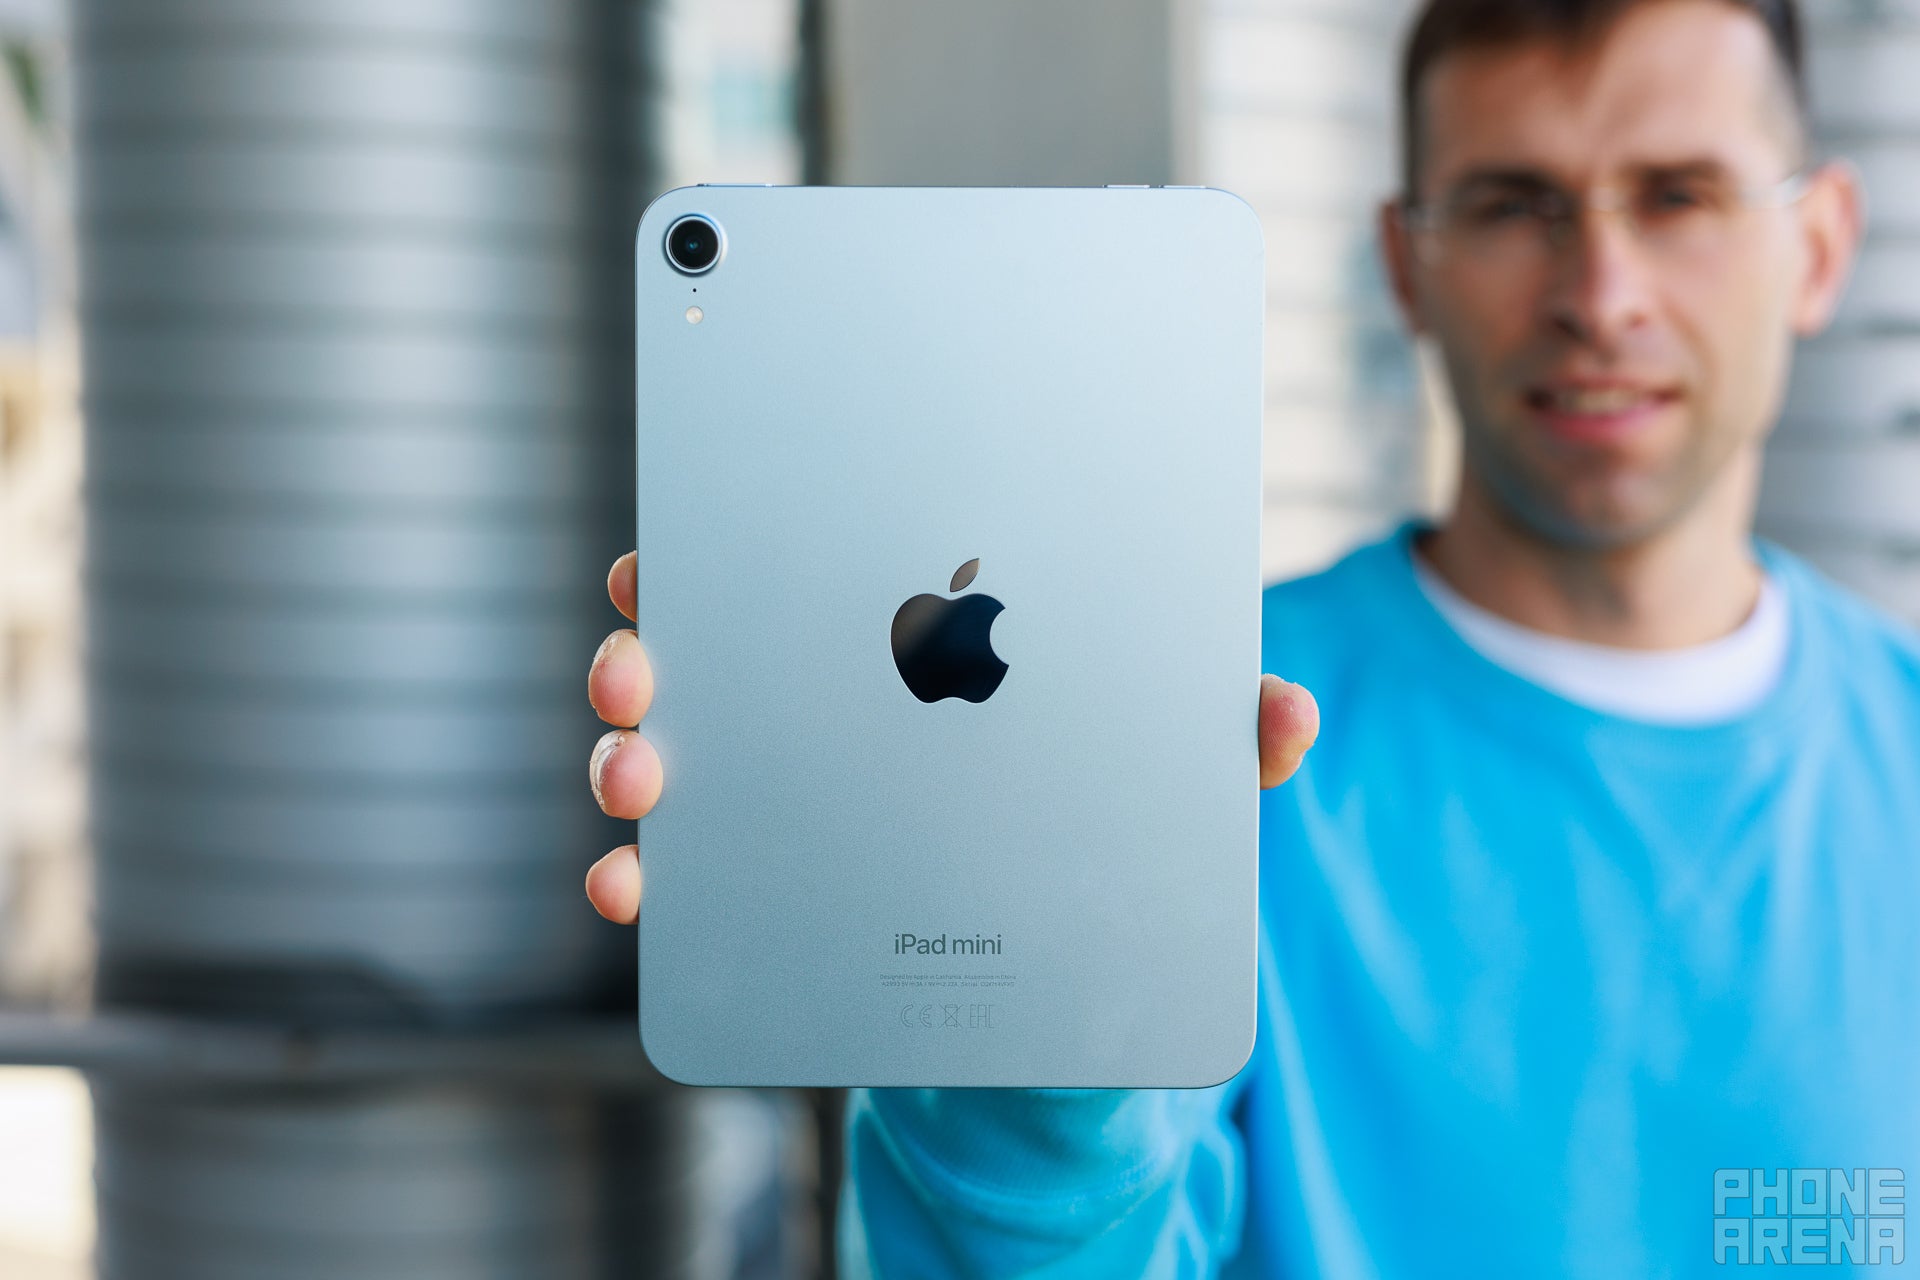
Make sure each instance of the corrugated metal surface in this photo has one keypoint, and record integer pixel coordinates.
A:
(426, 1184)
(357, 328)
(353, 282)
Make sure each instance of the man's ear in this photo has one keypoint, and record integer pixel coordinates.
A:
(1396, 252)
(1833, 218)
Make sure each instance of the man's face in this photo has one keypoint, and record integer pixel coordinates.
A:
(1604, 382)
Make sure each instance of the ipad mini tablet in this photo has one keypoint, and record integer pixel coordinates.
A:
(949, 536)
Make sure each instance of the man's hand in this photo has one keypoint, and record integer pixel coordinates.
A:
(624, 770)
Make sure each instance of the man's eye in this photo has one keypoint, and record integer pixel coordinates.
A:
(1674, 199)
(1494, 210)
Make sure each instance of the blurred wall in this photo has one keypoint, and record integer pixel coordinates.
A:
(1843, 471)
(1296, 114)
(1066, 93)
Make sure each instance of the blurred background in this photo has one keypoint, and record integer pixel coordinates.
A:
(315, 445)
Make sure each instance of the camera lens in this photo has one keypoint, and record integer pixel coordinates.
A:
(693, 245)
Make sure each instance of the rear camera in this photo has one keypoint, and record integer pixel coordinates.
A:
(693, 245)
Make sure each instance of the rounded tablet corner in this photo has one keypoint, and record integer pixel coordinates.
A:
(664, 1064)
(1245, 211)
(646, 213)
(1238, 1058)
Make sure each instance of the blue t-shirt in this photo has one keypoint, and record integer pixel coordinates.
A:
(1542, 990)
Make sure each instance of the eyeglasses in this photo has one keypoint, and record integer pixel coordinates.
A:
(1520, 221)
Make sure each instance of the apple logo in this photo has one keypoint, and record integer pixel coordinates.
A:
(942, 647)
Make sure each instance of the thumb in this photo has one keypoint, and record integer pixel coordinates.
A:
(1289, 722)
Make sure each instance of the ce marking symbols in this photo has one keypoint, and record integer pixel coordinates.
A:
(977, 1016)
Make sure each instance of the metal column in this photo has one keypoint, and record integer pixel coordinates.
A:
(356, 308)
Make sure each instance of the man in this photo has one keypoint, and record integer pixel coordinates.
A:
(1598, 894)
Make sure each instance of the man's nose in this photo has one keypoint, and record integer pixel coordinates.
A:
(1601, 284)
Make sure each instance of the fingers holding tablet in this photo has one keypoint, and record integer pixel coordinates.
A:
(613, 885)
(624, 773)
(620, 680)
(622, 583)
(623, 770)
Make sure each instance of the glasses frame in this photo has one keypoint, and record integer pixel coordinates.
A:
(1570, 208)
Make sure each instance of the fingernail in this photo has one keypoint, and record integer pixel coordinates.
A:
(601, 750)
(600, 654)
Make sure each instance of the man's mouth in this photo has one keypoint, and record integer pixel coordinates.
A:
(1597, 410)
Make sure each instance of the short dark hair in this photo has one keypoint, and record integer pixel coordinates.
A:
(1445, 26)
